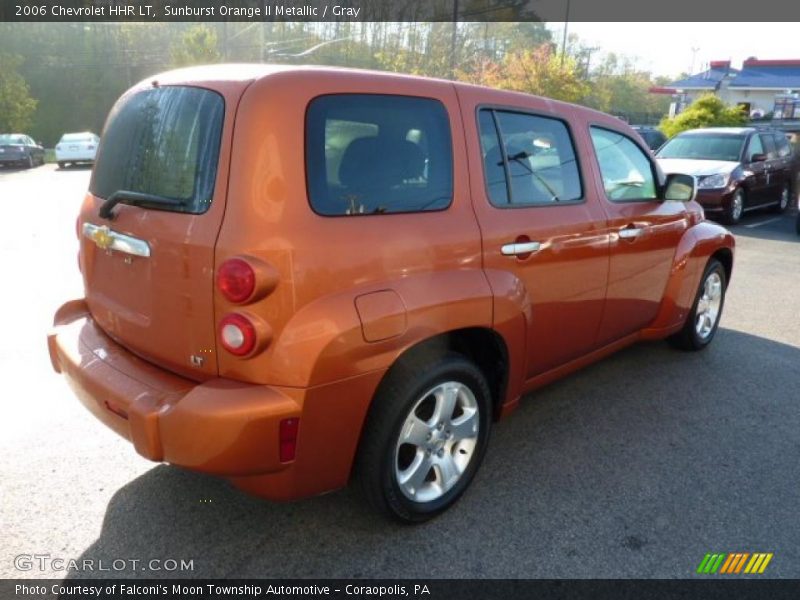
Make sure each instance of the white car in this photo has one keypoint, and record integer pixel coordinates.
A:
(76, 148)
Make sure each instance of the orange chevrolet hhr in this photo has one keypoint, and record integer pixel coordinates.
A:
(295, 275)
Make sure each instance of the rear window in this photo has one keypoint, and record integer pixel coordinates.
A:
(164, 142)
(377, 154)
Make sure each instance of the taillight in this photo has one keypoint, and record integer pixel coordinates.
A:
(237, 334)
(288, 439)
(236, 279)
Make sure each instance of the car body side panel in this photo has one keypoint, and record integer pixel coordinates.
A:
(430, 260)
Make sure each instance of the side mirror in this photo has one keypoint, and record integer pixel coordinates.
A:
(758, 157)
(680, 187)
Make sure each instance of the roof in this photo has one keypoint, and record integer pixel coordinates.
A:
(708, 79)
(770, 74)
(721, 130)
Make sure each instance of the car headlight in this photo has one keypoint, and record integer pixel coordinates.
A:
(713, 181)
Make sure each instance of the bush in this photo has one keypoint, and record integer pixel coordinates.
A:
(706, 111)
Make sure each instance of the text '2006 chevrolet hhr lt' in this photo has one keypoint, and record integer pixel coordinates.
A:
(298, 276)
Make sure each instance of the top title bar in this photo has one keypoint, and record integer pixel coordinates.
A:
(397, 10)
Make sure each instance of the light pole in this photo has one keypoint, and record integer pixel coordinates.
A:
(564, 39)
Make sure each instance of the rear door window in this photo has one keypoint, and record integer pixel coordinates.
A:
(784, 148)
(528, 159)
(768, 142)
(376, 154)
(164, 142)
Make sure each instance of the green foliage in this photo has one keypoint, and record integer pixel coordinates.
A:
(77, 70)
(705, 111)
(538, 71)
(16, 105)
(197, 46)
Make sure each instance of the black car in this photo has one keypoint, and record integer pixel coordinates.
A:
(738, 169)
(651, 136)
(19, 150)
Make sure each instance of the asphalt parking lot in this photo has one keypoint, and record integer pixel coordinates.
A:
(634, 467)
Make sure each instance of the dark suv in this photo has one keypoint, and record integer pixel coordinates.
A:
(737, 169)
(651, 136)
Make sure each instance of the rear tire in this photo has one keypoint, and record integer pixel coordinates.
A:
(424, 437)
(62, 165)
(786, 196)
(734, 211)
(703, 319)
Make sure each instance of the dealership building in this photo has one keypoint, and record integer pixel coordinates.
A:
(764, 88)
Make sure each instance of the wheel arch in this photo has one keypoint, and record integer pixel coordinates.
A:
(698, 245)
(482, 345)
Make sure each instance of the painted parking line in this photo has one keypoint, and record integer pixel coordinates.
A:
(760, 223)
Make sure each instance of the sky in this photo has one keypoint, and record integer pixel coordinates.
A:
(667, 48)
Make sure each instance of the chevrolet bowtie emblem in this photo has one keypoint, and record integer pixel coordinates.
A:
(102, 238)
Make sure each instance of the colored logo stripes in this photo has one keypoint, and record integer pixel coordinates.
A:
(734, 563)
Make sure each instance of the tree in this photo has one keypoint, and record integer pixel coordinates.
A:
(537, 71)
(706, 111)
(198, 45)
(16, 105)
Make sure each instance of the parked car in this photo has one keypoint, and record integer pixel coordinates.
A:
(651, 136)
(19, 150)
(74, 148)
(738, 168)
(356, 272)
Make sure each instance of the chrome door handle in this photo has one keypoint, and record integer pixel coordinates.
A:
(630, 232)
(518, 248)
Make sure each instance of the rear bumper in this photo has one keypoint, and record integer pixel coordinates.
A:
(75, 156)
(220, 426)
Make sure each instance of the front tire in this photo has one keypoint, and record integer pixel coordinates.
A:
(703, 320)
(733, 213)
(425, 436)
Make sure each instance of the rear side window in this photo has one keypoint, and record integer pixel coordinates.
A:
(528, 159)
(165, 142)
(376, 154)
(626, 171)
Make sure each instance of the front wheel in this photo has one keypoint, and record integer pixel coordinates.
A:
(703, 320)
(425, 436)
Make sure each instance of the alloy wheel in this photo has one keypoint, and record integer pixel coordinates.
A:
(737, 207)
(437, 442)
(785, 197)
(708, 306)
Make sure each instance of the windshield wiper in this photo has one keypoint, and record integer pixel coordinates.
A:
(134, 199)
(519, 159)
